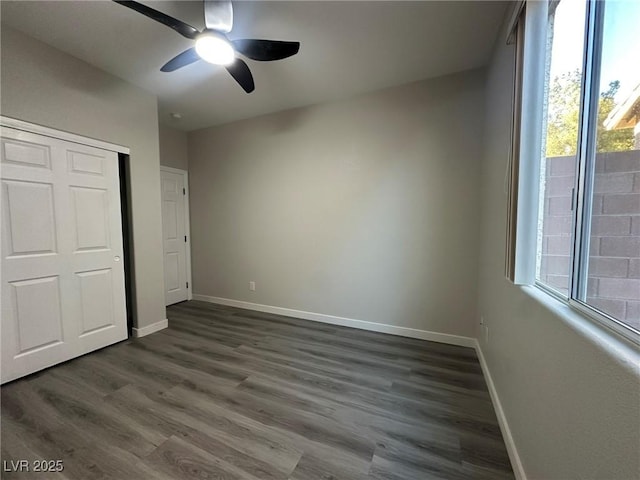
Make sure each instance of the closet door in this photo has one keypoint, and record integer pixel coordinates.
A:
(63, 290)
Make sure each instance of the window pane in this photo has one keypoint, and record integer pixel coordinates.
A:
(613, 267)
(558, 165)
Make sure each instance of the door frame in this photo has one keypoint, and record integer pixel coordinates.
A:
(187, 223)
(60, 134)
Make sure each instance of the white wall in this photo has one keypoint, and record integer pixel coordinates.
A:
(365, 209)
(45, 86)
(571, 397)
(173, 148)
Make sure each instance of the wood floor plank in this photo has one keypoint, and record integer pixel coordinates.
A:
(383, 469)
(344, 374)
(188, 416)
(16, 447)
(484, 453)
(314, 467)
(82, 456)
(93, 416)
(359, 400)
(313, 426)
(247, 463)
(430, 462)
(111, 367)
(225, 373)
(358, 417)
(234, 394)
(21, 403)
(182, 460)
(337, 357)
(249, 432)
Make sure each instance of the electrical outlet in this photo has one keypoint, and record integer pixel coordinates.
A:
(252, 286)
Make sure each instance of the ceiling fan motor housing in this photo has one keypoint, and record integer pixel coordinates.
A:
(214, 47)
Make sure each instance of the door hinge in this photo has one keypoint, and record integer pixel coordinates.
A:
(187, 284)
(184, 191)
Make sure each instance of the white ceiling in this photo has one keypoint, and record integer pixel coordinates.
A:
(347, 48)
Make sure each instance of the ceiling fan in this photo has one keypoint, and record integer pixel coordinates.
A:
(212, 44)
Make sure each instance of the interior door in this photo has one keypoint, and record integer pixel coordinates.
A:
(63, 290)
(174, 237)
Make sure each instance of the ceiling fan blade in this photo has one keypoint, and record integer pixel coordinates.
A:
(179, 26)
(218, 15)
(181, 60)
(241, 73)
(266, 50)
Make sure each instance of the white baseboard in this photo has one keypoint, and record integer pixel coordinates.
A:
(518, 469)
(149, 329)
(345, 322)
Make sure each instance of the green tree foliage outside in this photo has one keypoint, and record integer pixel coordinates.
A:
(564, 113)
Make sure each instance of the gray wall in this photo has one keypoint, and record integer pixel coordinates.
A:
(173, 148)
(45, 86)
(365, 209)
(570, 397)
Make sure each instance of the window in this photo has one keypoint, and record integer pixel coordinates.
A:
(587, 173)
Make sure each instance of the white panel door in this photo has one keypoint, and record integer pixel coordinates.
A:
(174, 237)
(63, 290)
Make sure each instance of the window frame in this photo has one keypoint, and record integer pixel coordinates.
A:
(584, 181)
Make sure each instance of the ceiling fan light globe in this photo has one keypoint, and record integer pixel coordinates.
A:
(215, 48)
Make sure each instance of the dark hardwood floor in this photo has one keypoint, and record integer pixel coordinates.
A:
(232, 394)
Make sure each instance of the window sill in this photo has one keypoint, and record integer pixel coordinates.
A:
(625, 351)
